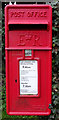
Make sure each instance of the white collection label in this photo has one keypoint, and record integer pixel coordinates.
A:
(28, 77)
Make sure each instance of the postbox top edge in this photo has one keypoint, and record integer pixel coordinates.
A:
(27, 5)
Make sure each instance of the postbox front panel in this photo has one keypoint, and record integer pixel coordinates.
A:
(28, 49)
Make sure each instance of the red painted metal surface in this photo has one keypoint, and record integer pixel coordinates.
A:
(28, 27)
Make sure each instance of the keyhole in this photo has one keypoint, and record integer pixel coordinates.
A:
(15, 80)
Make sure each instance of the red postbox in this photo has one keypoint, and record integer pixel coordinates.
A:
(28, 48)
